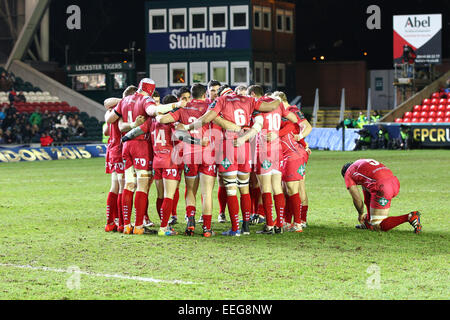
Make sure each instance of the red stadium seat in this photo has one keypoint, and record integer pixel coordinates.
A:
(426, 102)
(414, 120)
(426, 107)
(432, 114)
(417, 108)
(407, 115)
(448, 100)
(447, 119)
(424, 114)
(447, 114)
(416, 114)
(422, 120)
(441, 107)
(433, 107)
(400, 120)
(436, 95)
(439, 120)
(443, 101)
(431, 120)
(435, 101)
(447, 108)
(440, 114)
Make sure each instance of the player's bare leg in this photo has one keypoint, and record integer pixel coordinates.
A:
(159, 196)
(191, 193)
(304, 201)
(230, 181)
(170, 186)
(243, 180)
(141, 199)
(206, 187)
(111, 204)
(127, 198)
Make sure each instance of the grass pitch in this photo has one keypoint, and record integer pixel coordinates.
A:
(53, 215)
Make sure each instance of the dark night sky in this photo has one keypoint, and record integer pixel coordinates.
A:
(335, 29)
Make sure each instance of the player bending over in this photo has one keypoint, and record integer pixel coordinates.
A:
(379, 187)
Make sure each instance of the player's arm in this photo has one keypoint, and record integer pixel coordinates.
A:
(268, 106)
(209, 116)
(111, 116)
(111, 102)
(253, 131)
(187, 138)
(164, 119)
(357, 201)
(106, 131)
(305, 129)
(125, 126)
(153, 109)
(227, 125)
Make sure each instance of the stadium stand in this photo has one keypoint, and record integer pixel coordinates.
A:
(436, 109)
(58, 119)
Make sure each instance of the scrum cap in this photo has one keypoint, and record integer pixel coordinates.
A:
(147, 85)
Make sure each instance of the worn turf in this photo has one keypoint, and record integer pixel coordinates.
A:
(53, 214)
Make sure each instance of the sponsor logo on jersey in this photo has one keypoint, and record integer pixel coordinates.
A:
(226, 163)
(266, 164)
(383, 201)
(301, 170)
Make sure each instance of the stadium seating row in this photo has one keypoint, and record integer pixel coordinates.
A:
(436, 109)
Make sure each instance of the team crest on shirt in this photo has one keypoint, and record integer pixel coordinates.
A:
(226, 163)
(186, 168)
(301, 170)
(266, 164)
(383, 201)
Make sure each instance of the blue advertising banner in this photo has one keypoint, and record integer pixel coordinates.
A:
(208, 40)
(68, 152)
(331, 139)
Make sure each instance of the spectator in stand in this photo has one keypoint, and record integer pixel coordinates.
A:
(46, 139)
(8, 137)
(81, 130)
(21, 97)
(72, 127)
(27, 133)
(2, 114)
(375, 117)
(5, 82)
(409, 58)
(35, 118)
(1, 136)
(61, 136)
(12, 96)
(46, 121)
(62, 121)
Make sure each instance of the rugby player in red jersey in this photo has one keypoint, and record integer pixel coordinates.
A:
(114, 166)
(137, 154)
(379, 187)
(295, 157)
(199, 162)
(268, 158)
(234, 167)
(213, 87)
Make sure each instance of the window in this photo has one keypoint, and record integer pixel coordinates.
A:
(258, 73)
(239, 17)
(219, 71)
(157, 20)
(197, 21)
(267, 18)
(239, 73)
(119, 80)
(280, 20)
(198, 72)
(289, 22)
(281, 74)
(267, 73)
(177, 20)
(218, 18)
(178, 74)
(89, 82)
(158, 72)
(257, 17)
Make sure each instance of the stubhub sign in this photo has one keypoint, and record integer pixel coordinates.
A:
(209, 40)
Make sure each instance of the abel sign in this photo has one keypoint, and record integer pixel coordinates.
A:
(422, 33)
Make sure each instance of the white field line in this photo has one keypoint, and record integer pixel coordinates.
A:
(104, 275)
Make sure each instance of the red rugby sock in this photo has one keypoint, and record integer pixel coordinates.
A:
(141, 204)
(246, 205)
(166, 211)
(233, 210)
(288, 210)
(222, 196)
(391, 222)
(261, 210)
(120, 209)
(127, 206)
(280, 203)
(190, 211)
(176, 197)
(159, 203)
(267, 203)
(111, 207)
(255, 193)
(295, 205)
(207, 221)
(304, 212)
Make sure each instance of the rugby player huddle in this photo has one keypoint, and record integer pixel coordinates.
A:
(249, 142)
